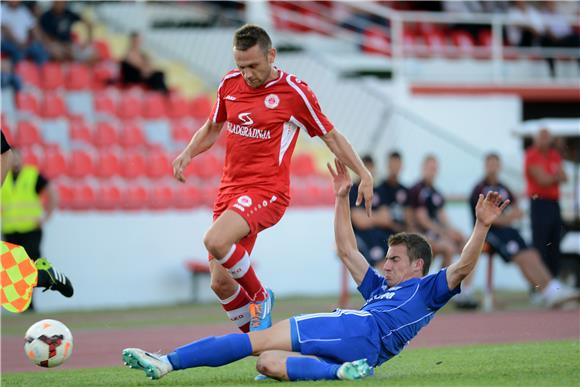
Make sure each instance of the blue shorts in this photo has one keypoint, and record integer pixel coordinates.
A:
(506, 241)
(338, 337)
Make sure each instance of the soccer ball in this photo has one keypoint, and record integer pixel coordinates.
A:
(48, 343)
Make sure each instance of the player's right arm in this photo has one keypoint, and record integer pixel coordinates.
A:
(343, 233)
(486, 212)
(201, 141)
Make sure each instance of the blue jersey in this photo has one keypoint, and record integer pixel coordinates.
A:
(401, 311)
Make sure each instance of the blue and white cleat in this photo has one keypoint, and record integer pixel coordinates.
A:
(152, 364)
(355, 370)
(261, 377)
(261, 313)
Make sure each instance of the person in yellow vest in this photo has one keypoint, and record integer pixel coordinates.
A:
(22, 219)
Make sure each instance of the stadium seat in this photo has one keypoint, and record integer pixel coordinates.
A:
(53, 106)
(79, 131)
(207, 165)
(129, 106)
(27, 102)
(187, 197)
(158, 165)
(109, 197)
(436, 42)
(107, 165)
(52, 76)
(31, 157)
(160, 197)
(131, 136)
(303, 165)
(177, 106)
(464, 43)
(27, 134)
(80, 164)
(84, 197)
(208, 194)
(133, 165)
(54, 164)
(134, 197)
(103, 50)
(154, 106)
(104, 73)
(376, 41)
(104, 103)
(104, 135)
(181, 131)
(78, 77)
(65, 196)
(29, 73)
(200, 107)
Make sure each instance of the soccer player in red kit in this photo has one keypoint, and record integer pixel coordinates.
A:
(263, 109)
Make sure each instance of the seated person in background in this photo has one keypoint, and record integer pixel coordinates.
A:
(57, 24)
(21, 38)
(137, 69)
(394, 198)
(509, 244)
(371, 232)
(431, 220)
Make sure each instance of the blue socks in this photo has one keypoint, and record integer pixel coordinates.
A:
(307, 368)
(211, 352)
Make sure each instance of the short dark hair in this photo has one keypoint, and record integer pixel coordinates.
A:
(491, 155)
(395, 155)
(368, 159)
(249, 35)
(417, 247)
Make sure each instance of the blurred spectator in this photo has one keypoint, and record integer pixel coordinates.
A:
(466, 7)
(23, 210)
(21, 38)
(558, 32)
(394, 198)
(57, 24)
(525, 28)
(544, 173)
(137, 69)
(431, 219)
(8, 77)
(509, 244)
(371, 232)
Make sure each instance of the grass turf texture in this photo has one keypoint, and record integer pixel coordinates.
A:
(537, 364)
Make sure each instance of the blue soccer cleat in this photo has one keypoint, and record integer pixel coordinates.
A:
(354, 370)
(261, 313)
(154, 367)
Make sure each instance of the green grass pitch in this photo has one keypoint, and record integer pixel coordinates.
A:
(530, 364)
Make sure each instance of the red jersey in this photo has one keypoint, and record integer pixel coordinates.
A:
(551, 163)
(262, 127)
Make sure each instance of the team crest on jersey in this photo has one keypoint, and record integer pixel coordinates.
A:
(272, 101)
(245, 201)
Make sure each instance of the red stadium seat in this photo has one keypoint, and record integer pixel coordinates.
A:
(133, 165)
(54, 164)
(135, 197)
(65, 196)
(104, 135)
(182, 131)
(27, 102)
(104, 73)
(205, 166)
(27, 134)
(79, 131)
(160, 197)
(303, 165)
(177, 106)
(187, 197)
(30, 157)
(200, 107)
(102, 49)
(84, 197)
(109, 197)
(53, 106)
(132, 136)
(158, 165)
(154, 106)
(376, 40)
(104, 103)
(80, 164)
(463, 42)
(436, 42)
(52, 76)
(78, 77)
(129, 106)
(28, 72)
(108, 165)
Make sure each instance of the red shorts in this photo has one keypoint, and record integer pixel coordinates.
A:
(260, 209)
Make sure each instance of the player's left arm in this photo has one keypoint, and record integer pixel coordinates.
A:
(486, 212)
(342, 149)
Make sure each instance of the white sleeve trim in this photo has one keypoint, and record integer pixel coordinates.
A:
(308, 105)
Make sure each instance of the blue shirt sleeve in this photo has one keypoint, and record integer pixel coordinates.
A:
(371, 282)
(435, 290)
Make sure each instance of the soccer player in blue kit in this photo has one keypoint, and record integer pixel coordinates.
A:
(344, 344)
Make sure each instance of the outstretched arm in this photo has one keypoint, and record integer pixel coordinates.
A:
(343, 233)
(486, 211)
(342, 149)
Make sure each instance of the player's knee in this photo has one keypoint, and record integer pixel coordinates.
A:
(270, 364)
(214, 245)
